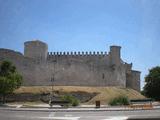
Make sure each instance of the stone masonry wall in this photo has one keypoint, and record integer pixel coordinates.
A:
(74, 69)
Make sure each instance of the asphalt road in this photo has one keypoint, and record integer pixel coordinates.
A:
(94, 115)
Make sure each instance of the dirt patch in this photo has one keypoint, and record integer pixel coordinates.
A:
(87, 95)
(45, 97)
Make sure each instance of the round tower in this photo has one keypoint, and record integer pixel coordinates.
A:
(133, 80)
(115, 54)
(36, 49)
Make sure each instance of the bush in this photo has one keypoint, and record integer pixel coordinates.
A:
(71, 99)
(121, 100)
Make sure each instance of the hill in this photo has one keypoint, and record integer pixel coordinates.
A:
(104, 94)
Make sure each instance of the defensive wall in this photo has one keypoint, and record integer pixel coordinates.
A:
(38, 66)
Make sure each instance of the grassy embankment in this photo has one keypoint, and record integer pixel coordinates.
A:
(105, 94)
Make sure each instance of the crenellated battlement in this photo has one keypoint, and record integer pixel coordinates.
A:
(82, 53)
(74, 68)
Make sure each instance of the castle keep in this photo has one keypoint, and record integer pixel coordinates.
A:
(38, 66)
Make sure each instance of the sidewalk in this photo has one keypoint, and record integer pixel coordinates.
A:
(58, 109)
(82, 108)
(47, 106)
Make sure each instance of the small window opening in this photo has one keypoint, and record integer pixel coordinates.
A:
(103, 76)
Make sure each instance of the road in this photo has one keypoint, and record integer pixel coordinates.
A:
(94, 115)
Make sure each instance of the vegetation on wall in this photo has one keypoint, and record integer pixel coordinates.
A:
(10, 79)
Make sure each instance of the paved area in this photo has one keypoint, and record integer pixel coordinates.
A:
(46, 107)
(90, 115)
(83, 112)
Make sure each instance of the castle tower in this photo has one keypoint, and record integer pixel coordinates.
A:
(36, 49)
(133, 80)
(115, 55)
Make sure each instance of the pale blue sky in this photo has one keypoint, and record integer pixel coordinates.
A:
(86, 25)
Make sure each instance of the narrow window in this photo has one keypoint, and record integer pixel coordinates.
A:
(103, 76)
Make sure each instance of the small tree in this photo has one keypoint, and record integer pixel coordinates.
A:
(9, 79)
(152, 86)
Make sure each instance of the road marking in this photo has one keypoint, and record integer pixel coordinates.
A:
(19, 106)
(117, 118)
(60, 118)
(68, 115)
(52, 114)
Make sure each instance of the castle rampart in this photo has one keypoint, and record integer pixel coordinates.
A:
(75, 68)
(50, 54)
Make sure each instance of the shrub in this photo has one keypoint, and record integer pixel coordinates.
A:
(71, 99)
(121, 100)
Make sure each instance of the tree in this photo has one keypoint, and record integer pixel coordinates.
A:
(152, 86)
(10, 79)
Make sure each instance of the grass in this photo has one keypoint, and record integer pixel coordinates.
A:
(120, 100)
(71, 99)
(105, 93)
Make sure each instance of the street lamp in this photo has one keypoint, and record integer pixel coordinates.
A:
(53, 79)
(52, 82)
(51, 94)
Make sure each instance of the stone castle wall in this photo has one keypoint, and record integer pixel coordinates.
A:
(38, 66)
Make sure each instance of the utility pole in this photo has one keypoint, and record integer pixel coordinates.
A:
(52, 80)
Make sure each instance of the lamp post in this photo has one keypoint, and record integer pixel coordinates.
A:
(51, 94)
(53, 79)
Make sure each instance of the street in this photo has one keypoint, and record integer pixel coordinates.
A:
(90, 115)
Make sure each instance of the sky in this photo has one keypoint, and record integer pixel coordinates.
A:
(86, 25)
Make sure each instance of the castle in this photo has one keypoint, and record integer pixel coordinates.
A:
(40, 67)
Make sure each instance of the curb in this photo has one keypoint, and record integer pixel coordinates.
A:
(72, 110)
